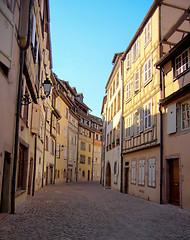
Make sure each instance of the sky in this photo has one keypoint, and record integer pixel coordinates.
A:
(85, 35)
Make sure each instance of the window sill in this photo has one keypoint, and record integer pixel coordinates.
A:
(128, 100)
(148, 81)
(148, 130)
(181, 74)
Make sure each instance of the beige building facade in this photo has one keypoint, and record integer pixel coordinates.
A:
(113, 116)
(175, 107)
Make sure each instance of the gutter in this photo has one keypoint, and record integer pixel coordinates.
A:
(19, 100)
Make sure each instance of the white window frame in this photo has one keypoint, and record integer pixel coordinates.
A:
(147, 33)
(58, 147)
(59, 105)
(185, 115)
(137, 80)
(128, 126)
(148, 70)
(181, 66)
(65, 131)
(133, 172)
(65, 152)
(128, 90)
(128, 60)
(142, 172)
(136, 50)
(148, 115)
(152, 172)
(138, 121)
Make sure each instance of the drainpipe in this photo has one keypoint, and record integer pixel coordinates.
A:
(93, 157)
(55, 156)
(35, 156)
(77, 154)
(44, 150)
(121, 128)
(19, 101)
(161, 152)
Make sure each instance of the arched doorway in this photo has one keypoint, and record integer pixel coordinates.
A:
(108, 175)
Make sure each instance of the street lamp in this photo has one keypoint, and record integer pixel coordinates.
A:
(26, 99)
(47, 87)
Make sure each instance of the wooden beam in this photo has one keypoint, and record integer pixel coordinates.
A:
(168, 43)
(173, 6)
(175, 26)
(182, 31)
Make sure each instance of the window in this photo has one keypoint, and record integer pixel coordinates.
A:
(65, 152)
(47, 143)
(148, 115)
(82, 159)
(128, 126)
(133, 172)
(137, 80)
(65, 131)
(52, 147)
(113, 86)
(89, 148)
(58, 128)
(66, 112)
(151, 172)
(181, 63)
(96, 136)
(118, 101)
(117, 80)
(128, 60)
(128, 91)
(148, 70)
(59, 105)
(81, 130)
(114, 106)
(89, 160)
(185, 112)
(136, 50)
(89, 134)
(141, 172)
(83, 146)
(116, 168)
(83, 173)
(138, 121)
(58, 150)
(147, 33)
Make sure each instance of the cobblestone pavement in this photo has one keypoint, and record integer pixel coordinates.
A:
(84, 211)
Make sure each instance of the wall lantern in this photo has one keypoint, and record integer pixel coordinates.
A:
(47, 87)
(26, 99)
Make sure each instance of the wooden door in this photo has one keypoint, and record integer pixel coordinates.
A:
(174, 182)
(88, 175)
(126, 179)
(20, 171)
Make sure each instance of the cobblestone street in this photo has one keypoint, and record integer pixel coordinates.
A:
(88, 211)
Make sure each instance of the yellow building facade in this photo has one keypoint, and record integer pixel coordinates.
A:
(62, 137)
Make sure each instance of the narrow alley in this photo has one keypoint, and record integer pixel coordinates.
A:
(89, 211)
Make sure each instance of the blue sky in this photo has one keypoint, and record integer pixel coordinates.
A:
(85, 35)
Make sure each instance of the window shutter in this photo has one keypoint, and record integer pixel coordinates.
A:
(134, 123)
(141, 119)
(33, 30)
(36, 53)
(131, 127)
(117, 169)
(150, 173)
(35, 118)
(140, 172)
(171, 119)
(143, 172)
